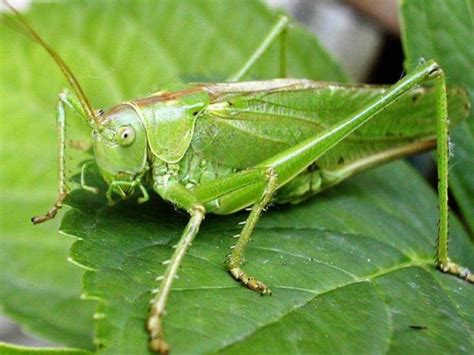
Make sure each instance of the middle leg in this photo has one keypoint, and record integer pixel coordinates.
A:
(236, 258)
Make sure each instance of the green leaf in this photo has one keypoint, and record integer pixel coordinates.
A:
(355, 263)
(443, 30)
(39, 288)
(10, 349)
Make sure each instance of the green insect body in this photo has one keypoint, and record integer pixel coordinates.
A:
(220, 148)
(226, 128)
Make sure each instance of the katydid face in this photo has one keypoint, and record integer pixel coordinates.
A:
(120, 144)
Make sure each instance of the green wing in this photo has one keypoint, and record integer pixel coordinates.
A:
(244, 125)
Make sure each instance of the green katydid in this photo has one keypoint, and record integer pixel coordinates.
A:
(192, 147)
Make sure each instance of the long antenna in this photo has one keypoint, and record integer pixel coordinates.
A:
(25, 28)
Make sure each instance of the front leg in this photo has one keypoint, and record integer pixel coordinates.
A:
(236, 258)
(65, 99)
(62, 187)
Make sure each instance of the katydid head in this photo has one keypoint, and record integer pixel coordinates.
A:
(120, 144)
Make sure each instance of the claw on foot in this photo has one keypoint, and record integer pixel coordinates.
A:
(160, 346)
(457, 270)
(52, 212)
(157, 342)
(46, 217)
(250, 282)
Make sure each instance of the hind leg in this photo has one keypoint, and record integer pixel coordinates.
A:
(62, 187)
(236, 258)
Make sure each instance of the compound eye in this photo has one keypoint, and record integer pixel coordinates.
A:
(125, 136)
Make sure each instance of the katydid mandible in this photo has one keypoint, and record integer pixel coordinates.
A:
(192, 147)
